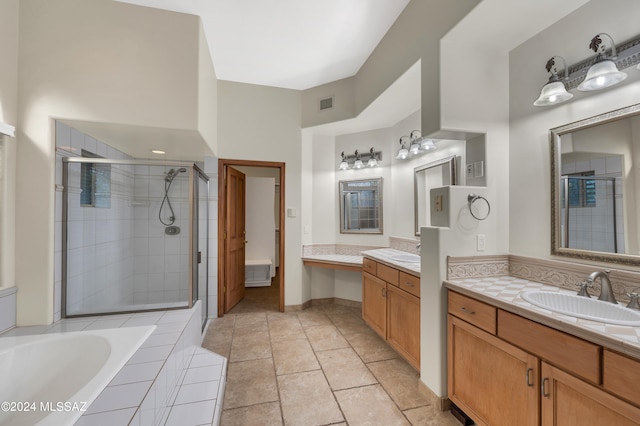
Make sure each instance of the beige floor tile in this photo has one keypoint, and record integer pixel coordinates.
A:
(249, 346)
(344, 369)
(286, 328)
(428, 416)
(349, 324)
(370, 347)
(252, 320)
(307, 400)
(400, 380)
(311, 318)
(325, 337)
(262, 414)
(369, 405)
(250, 383)
(226, 321)
(219, 336)
(293, 356)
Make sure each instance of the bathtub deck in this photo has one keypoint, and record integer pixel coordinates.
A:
(170, 380)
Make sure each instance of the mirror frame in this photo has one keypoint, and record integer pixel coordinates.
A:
(380, 229)
(554, 144)
(451, 161)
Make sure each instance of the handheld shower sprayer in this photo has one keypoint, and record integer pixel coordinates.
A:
(168, 180)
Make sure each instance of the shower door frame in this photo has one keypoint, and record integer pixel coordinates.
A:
(195, 169)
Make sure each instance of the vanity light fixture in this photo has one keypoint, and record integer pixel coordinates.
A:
(358, 164)
(594, 73)
(404, 152)
(604, 73)
(554, 92)
(357, 160)
(417, 145)
(158, 151)
(372, 159)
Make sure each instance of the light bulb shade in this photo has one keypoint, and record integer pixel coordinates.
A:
(414, 149)
(602, 74)
(553, 93)
(372, 162)
(343, 165)
(427, 145)
(402, 154)
(358, 164)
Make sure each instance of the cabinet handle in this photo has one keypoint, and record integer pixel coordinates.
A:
(384, 292)
(544, 388)
(410, 284)
(528, 374)
(467, 311)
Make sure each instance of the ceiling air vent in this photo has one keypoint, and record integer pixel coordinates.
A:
(326, 103)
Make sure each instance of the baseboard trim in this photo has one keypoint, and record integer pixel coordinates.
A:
(324, 301)
(441, 403)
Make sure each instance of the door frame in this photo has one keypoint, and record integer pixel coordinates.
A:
(222, 209)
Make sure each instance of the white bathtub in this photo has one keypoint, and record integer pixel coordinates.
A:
(51, 379)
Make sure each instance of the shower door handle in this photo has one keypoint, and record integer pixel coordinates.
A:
(199, 257)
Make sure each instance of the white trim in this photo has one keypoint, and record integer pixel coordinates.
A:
(7, 129)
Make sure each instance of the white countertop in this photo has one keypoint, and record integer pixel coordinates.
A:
(504, 292)
(384, 255)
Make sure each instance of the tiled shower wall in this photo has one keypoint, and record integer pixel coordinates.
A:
(161, 272)
(100, 267)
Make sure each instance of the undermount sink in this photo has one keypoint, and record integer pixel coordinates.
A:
(582, 307)
(405, 257)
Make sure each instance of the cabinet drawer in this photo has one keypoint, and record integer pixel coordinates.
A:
(473, 311)
(388, 274)
(410, 283)
(369, 266)
(620, 376)
(567, 352)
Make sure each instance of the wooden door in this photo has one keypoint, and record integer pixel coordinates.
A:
(374, 303)
(493, 382)
(567, 400)
(234, 237)
(403, 324)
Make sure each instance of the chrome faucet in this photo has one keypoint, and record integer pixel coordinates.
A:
(606, 291)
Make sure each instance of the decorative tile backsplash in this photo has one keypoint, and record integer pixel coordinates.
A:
(332, 249)
(404, 244)
(552, 272)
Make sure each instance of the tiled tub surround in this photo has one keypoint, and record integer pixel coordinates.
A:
(170, 380)
(490, 284)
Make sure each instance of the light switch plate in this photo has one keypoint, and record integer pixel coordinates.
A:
(478, 169)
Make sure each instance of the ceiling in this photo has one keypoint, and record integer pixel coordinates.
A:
(288, 43)
(300, 44)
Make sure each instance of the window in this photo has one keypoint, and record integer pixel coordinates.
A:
(582, 190)
(95, 183)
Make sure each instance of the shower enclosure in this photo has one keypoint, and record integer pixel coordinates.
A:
(591, 213)
(134, 236)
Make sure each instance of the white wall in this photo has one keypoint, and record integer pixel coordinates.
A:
(260, 220)
(88, 60)
(529, 162)
(262, 123)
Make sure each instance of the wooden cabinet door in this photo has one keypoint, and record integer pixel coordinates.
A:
(567, 400)
(493, 382)
(374, 303)
(403, 324)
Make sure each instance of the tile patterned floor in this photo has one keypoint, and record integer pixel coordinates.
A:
(319, 366)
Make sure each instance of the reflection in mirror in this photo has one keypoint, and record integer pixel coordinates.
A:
(594, 187)
(431, 175)
(361, 206)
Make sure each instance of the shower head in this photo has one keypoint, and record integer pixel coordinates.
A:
(181, 170)
(171, 174)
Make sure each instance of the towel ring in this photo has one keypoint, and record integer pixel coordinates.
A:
(472, 198)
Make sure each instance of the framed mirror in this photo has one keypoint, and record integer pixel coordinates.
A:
(595, 188)
(361, 206)
(431, 175)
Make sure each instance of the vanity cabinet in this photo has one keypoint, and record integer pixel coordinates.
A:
(391, 307)
(505, 369)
